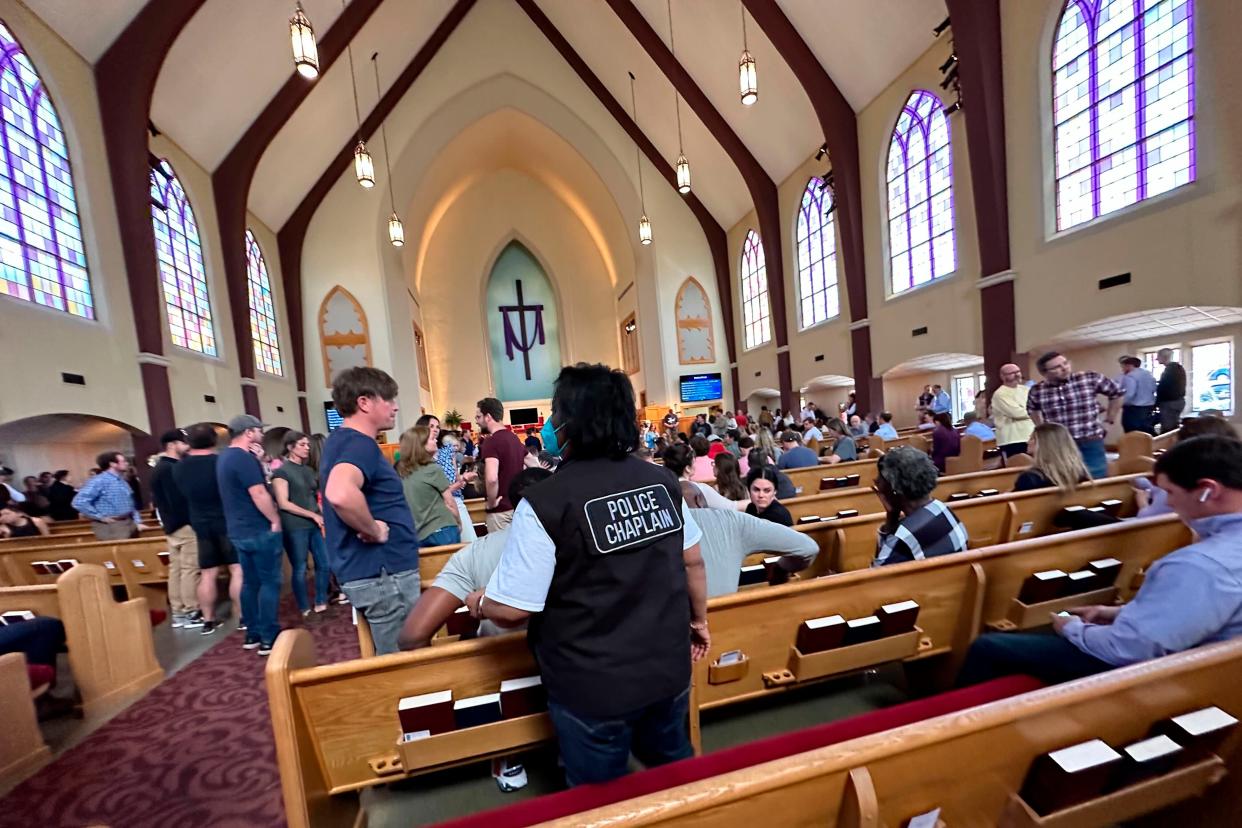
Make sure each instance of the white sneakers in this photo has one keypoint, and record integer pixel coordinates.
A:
(509, 777)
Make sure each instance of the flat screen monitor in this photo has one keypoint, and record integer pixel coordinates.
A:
(523, 416)
(701, 388)
(332, 416)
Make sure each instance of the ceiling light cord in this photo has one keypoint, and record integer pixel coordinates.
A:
(638, 159)
(384, 138)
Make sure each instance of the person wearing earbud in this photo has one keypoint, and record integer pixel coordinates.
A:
(918, 525)
(1191, 596)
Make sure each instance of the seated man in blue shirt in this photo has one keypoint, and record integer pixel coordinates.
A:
(942, 403)
(886, 429)
(794, 455)
(976, 427)
(1191, 596)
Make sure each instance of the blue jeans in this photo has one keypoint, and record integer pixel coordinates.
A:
(1138, 418)
(260, 556)
(1046, 656)
(442, 537)
(297, 541)
(384, 601)
(597, 750)
(1093, 457)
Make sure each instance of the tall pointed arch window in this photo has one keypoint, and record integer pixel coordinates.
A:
(920, 194)
(262, 310)
(755, 309)
(41, 255)
(179, 255)
(1123, 104)
(817, 256)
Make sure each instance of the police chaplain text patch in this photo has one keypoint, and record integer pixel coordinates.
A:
(630, 518)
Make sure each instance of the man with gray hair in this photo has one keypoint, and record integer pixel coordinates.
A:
(1170, 391)
(917, 525)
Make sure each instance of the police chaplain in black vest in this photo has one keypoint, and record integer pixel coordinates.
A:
(603, 559)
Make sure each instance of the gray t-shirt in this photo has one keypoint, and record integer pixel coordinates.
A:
(729, 536)
(469, 569)
(302, 485)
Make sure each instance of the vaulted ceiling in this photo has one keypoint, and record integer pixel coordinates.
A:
(233, 57)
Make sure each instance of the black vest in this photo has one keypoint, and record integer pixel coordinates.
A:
(614, 633)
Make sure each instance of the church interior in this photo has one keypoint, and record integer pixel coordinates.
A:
(803, 208)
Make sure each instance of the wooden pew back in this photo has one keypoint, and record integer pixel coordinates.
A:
(66, 539)
(16, 569)
(808, 479)
(864, 500)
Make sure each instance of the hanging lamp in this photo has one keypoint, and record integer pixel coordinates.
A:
(644, 224)
(305, 52)
(364, 165)
(683, 165)
(396, 231)
(747, 73)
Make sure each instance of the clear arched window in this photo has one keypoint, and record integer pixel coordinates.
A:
(180, 258)
(755, 311)
(920, 194)
(817, 256)
(41, 254)
(262, 310)
(1123, 104)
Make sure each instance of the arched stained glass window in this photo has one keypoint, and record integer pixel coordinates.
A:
(180, 258)
(1123, 104)
(262, 310)
(817, 256)
(41, 254)
(755, 309)
(920, 194)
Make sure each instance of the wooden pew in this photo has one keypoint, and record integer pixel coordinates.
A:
(477, 507)
(111, 651)
(22, 749)
(808, 479)
(67, 538)
(16, 569)
(863, 499)
(1136, 451)
(972, 764)
(849, 543)
(57, 527)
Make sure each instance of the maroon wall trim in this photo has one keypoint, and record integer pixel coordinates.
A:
(716, 238)
(125, 81)
(293, 234)
(977, 39)
(840, 128)
(231, 185)
(761, 186)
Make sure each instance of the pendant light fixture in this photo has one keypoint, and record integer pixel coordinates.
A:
(747, 73)
(364, 165)
(305, 52)
(396, 232)
(683, 166)
(644, 224)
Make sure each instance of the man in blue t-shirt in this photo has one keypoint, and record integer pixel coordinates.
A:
(253, 524)
(372, 544)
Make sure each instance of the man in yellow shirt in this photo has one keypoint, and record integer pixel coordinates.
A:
(1013, 423)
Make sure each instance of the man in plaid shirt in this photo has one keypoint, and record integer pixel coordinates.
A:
(1069, 398)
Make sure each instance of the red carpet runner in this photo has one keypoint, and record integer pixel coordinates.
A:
(195, 751)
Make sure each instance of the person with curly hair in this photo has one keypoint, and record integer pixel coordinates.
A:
(917, 526)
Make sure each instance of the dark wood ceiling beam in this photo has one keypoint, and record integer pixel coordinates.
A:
(231, 186)
(761, 186)
(717, 240)
(125, 81)
(839, 124)
(292, 234)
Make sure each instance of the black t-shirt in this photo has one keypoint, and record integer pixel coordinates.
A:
(169, 502)
(776, 513)
(195, 476)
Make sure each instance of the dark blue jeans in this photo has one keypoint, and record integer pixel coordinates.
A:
(1138, 418)
(297, 542)
(40, 639)
(260, 557)
(1046, 656)
(442, 537)
(1093, 457)
(597, 750)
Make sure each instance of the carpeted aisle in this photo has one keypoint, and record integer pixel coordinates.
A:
(195, 751)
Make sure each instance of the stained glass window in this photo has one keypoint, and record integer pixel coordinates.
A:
(1123, 104)
(920, 194)
(817, 256)
(755, 310)
(262, 310)
(180, 258)
(41, 255)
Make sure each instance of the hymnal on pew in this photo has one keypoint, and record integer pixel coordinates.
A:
(959, 496)
(1069, 776)
(432, 712)
(1108, 569)
(478, 710)
(16, 617)
(67, 564)
(818, 634)
(1043, 586)
(898, 618)
(775, 573)
(1151, 757)
(847, 513)
(165, 556)
(862, 630)
(808, 519)
(753, 574)
(522, 697)
(1084, 580)
(1199, 732)
(1112, 507)
(988, 492)
(40, 567)
(852, 479)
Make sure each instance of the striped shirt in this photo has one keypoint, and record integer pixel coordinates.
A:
(106, 495)
(925, 533)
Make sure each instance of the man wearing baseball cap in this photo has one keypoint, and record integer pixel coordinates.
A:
(254, 530)
(174, 512)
